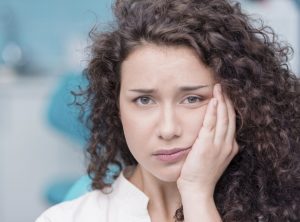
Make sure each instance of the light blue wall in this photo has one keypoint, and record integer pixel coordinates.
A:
(44, 28)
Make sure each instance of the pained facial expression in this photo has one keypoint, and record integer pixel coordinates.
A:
(162, 104)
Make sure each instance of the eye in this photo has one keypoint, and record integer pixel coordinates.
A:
(192, 99)
(143, 100)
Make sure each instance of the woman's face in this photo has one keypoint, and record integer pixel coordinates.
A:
(163, 98)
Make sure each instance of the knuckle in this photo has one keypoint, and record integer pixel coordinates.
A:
(225, 120)
(209, 126)
(233, 115)
(205, 135)
(227, 150)
(236, 148)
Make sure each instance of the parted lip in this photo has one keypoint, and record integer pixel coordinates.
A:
(170, 151)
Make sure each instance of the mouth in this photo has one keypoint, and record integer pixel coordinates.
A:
(170, 151)
(171, 155)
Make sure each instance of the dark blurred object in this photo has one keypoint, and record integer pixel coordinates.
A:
(256, 0)
(298, 3)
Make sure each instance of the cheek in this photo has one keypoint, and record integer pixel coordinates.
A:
(193, 121)
(135, 122)
(137, 129)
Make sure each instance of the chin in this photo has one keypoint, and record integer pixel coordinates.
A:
(169, 174)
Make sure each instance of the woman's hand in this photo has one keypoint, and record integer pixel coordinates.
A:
(213, 149)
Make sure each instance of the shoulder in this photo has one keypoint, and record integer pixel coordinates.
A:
(88, 207)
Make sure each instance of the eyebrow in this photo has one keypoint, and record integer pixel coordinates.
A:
(182, 88)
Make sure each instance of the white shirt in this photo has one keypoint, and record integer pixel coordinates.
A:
(126, 203)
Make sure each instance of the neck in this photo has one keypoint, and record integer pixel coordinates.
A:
(164, 197)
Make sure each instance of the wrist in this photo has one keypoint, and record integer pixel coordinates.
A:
(202, 198)
(193, 191)
(197, 206)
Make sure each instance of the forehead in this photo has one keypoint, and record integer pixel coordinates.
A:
(158, 65)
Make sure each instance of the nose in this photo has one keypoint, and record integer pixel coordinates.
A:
(169, 124)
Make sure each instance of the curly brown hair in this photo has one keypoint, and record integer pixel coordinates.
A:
(262, 183)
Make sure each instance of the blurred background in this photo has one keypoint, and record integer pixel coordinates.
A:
(42, 53)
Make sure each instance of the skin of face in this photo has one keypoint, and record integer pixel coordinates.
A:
(166, 117)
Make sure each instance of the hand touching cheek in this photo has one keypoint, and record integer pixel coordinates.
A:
(214, 148)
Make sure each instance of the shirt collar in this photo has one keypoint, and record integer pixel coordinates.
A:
(131, 198)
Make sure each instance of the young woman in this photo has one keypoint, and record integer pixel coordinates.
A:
(198, 111)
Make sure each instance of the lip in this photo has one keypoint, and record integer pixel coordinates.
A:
(172, 155)
(169, 151)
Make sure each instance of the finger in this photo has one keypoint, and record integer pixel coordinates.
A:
(234, 151)
(210, 118)
(222, 116)
(231, 131)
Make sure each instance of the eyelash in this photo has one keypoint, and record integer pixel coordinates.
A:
(148, 97)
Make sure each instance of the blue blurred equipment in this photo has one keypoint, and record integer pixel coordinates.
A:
(63, 115)
(83, 185)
